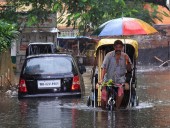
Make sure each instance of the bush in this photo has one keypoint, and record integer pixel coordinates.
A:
(8, 33)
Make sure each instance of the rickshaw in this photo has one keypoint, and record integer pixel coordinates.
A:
(98, 97)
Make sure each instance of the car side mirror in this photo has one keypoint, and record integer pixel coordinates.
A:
(82, 69)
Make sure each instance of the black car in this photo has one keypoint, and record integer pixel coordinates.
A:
(47, 75)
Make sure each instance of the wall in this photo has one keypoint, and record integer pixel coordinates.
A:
(157, 45)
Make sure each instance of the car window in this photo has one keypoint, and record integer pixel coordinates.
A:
(34, 49)
(49, 65)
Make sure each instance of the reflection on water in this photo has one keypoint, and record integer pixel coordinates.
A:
(56, 113)
(153, 110)
(143, 105)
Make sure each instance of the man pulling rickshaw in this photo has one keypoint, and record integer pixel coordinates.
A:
(115, 66)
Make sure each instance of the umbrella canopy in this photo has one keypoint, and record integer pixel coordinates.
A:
(124, 26)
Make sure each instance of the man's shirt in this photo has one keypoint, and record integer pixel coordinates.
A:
(115, 71)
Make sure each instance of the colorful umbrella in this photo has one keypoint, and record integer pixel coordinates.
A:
(124, 26)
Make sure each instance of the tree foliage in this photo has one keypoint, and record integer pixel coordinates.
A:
(38, 11)
(158, 2)
(8, 33)
(86, 15)
(89, 14)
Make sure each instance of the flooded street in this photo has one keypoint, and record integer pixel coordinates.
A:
(153, 89)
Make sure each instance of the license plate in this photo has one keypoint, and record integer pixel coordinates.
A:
(49, 84)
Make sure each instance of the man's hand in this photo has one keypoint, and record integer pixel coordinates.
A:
(100, 82)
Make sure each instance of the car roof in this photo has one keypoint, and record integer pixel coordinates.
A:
(49, 55)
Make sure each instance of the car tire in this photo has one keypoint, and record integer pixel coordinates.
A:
(20, 96)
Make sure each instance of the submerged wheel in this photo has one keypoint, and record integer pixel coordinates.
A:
(112, 106)
(20, 96)
(137, 101)
(133, 101)
(88, 101)
(133, 104)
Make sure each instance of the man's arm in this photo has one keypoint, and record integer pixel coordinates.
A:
(104, 67)
(128, 63)
(102, 75)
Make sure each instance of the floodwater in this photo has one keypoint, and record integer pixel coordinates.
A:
(153, 110)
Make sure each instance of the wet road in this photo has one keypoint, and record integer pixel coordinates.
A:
(153, 110)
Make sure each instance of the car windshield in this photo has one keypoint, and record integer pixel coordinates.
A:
(49, 65)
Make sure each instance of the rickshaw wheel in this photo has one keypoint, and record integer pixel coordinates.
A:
(133, 104)
(137, 101)
(111, 107)
(88, 101)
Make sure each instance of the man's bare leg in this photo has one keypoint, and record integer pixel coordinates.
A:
(119, 101)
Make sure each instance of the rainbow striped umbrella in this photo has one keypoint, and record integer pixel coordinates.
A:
(124, 26)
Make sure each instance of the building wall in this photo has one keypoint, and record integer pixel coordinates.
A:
(154, 46)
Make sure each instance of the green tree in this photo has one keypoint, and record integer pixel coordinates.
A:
(86, 15)
(8, 33)
(158, 2)
(38, 12)
(89, 14)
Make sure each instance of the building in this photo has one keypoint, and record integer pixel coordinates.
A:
(163, 28)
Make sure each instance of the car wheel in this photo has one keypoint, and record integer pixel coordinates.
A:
(20, 96)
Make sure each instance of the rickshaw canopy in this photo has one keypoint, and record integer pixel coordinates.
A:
(104, 42)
